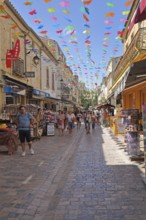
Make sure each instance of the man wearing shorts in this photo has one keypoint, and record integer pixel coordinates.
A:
(24, 121)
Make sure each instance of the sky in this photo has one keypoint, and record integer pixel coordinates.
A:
(88, 31)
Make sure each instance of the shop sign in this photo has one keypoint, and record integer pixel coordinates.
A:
(13, 54)
(9, 89)
(50, 129)
(40, 93)
(29, 74)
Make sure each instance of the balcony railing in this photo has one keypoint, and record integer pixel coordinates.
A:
(18, 67)
(137, 46)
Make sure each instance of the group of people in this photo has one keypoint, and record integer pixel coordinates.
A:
(67, 121)
(64, 121)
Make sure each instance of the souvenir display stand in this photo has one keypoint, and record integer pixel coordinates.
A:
(144, 134)
(8, 133)
(130, 118)
(7, 117)
(116, 122)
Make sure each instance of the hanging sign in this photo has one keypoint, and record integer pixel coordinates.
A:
(12, 54)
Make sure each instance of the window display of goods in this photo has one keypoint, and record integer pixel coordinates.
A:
(133, 143)
(130, 117)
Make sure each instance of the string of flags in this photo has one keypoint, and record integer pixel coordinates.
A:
(72, 40)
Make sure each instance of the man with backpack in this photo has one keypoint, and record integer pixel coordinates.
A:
(25, 121)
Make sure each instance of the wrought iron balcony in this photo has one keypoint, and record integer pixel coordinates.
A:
(136, 47)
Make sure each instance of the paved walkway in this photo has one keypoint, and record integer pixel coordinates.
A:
(83, 177)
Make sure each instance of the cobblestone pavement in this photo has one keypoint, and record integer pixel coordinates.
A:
(83, 177)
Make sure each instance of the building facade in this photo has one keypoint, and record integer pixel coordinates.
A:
(32, 69)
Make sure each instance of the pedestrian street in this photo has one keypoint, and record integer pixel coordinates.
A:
(73, 177)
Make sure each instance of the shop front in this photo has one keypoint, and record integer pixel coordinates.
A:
(16, 92)
(134, 94)
(45, 100)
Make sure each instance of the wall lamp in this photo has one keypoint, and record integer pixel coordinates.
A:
(36, 59)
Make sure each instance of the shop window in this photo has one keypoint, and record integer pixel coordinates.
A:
(47, 77)
(9, 100)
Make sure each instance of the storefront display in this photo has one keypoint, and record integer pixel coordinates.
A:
(130, 119)
(144, 132)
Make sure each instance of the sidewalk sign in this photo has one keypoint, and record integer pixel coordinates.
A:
(50, 129)
(144, 132)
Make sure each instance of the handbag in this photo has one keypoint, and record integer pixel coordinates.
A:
(60, 122)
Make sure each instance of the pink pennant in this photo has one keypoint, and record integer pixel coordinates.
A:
(33, 12)
(107, 33)
(65, 3)
(59, 31)
(87, 41)
(54, 18)
(108, 22)
(123, 20)
(72, 32)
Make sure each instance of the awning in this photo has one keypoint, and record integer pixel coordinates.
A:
(11, 81)
(13, 90)
(137, 71)
(121, 86)
(105, 105)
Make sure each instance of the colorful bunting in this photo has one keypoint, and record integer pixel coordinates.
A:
(46, 1)
(66, 11)
(110, 14)
(87, 66)
(110, 4)
(51, 10)
(85, 17)
(128, 3)
(87, 2)
(43, 32)
(33, 12)
(37, 21)
(125, 12)
(27, 3)
(54, 18)
(65, 3)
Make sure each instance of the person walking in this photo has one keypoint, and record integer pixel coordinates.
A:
(88, 122)
(60, 121)
(78, 119)
(93, 119)
(70, 119)
(24, 122)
